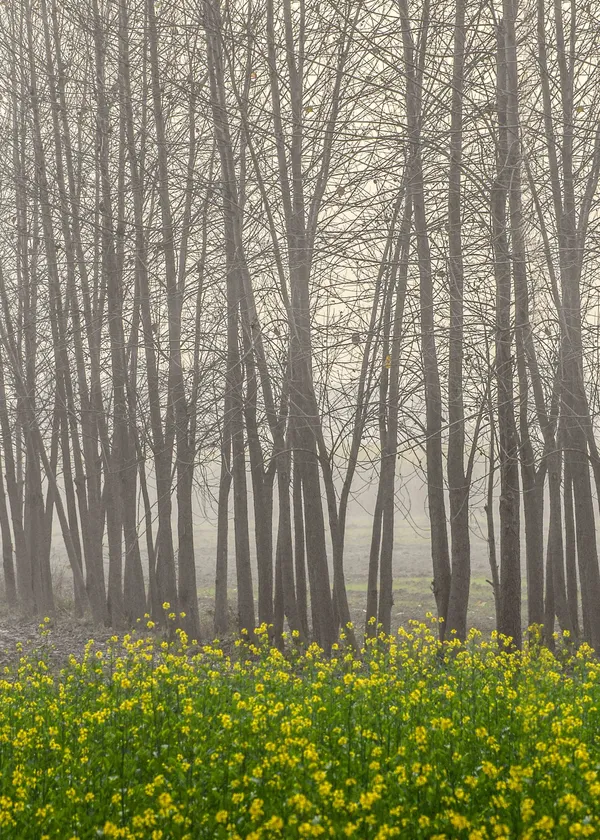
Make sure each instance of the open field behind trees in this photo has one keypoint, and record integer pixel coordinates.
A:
(411, 563)
(412, 577)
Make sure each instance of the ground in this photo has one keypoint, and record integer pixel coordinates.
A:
(413, 598)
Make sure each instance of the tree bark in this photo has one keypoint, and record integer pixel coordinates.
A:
(433, 397)
(510, 566)
(457, 487)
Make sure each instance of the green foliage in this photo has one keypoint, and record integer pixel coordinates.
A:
(409, 739)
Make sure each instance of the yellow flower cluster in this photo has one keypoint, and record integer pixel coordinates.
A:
(407, 738)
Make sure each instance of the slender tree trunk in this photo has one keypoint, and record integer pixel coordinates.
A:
(299, 550)
(433, 396)
(187, 589)
(245, 594)
(234, 378)
(370, 367)
(36, 452)
(373, 569)
(262, 516)
(162, 568)
(87, 475)
(571, 224)
(221, 619)
(571, 554)
(303, 405)
(510, 566)
(10, 584)
(457, 486)
(23, 560)
(398, 283)
(489, 515)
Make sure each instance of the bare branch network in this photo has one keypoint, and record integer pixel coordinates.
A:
(257, 256)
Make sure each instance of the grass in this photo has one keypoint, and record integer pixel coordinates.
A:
(413, 597)
(407, 738)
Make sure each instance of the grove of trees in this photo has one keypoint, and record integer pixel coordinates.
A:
(299, 238)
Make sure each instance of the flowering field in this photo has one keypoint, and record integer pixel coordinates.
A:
(408, 739)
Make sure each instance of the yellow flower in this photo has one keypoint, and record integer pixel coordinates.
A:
(275, 823)
(458, 821)
(256, 809)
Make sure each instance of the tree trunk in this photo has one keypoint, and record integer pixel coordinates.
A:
(398, 283)
(510, 565)
(433, 397)
(299, 551)
(458, 489)
(10, 584)
(221, 617)
(571, 554)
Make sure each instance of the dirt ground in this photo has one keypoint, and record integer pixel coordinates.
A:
(68, 635)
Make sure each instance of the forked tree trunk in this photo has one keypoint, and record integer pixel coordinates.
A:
(162, 570)
(87, 473)
(234, 375)
(572, 224)
(23, 561)
(186, 595)
(533, 498)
